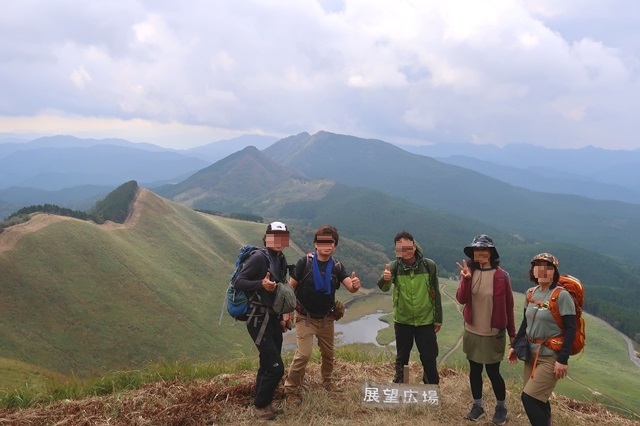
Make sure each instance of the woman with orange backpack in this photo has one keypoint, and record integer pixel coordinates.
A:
(549, 344)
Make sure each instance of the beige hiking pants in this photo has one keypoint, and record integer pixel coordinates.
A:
(305, 330)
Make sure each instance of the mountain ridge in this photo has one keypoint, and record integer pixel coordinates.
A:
(145, 286)
(382, 166)
(373, 216)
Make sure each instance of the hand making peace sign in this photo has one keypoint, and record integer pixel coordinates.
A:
(465, 272)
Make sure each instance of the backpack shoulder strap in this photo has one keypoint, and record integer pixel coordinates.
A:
(254, 296)
(336, 264)
(530, 295)
(429, 264)
(553, 306)
(307, 267)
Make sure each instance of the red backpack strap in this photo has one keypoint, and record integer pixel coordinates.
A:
(530, 295)
(553, 306)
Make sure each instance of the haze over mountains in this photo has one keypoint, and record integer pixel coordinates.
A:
(607, 227)
(593, 172)
(371, 189)
(75, 172)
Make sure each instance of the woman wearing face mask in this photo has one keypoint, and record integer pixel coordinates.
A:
(545, 367)
(485, 291)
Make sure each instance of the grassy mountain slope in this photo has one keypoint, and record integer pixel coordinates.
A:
(611, 228)
(232, 182)
(603, 373)
(80, 297)
(17, 374)
(220, 392)
(249, 181)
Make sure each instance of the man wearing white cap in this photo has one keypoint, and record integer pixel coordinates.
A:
(259, 277)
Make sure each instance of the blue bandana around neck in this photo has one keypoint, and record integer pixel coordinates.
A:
(322, 284)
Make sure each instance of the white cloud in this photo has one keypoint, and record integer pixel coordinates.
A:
(80, 77)
(461, 70)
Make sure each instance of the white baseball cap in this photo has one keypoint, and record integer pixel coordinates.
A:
(277, 227)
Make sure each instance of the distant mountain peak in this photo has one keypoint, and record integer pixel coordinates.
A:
(243, 175)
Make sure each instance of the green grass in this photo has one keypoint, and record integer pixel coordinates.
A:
(16, 374)
(81, 299)
(57, 388)
(74, 388)
(618, 385)
(603, 373)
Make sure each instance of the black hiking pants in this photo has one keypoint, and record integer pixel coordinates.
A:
(271, 367)
(497, 381)
(427, 344)
(539, 412)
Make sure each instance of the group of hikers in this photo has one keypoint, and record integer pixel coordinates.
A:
(484, 290)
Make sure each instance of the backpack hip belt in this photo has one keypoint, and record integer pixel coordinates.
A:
(302, 311)
(308, 316)
(554, 343)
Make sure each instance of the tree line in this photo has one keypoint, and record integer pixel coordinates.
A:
(114, 207)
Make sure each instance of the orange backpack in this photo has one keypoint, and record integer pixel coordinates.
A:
(575, 289)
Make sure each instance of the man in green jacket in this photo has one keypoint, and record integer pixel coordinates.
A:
(417, 307)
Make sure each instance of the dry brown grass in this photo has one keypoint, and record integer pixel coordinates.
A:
(226, 400)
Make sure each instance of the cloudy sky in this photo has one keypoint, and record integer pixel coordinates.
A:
(180, 74)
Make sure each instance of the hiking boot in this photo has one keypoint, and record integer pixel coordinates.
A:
(293, 399)
(331, 387)
(398, 378)
(275, 410)
(264, 413)
(425, 380)
(476, 413)
(500, 416)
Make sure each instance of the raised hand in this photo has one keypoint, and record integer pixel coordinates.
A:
(386, 275)
(465, 271)
(355, 281)
(267, 284)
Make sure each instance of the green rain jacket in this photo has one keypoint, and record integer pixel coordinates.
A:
(416, 292)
